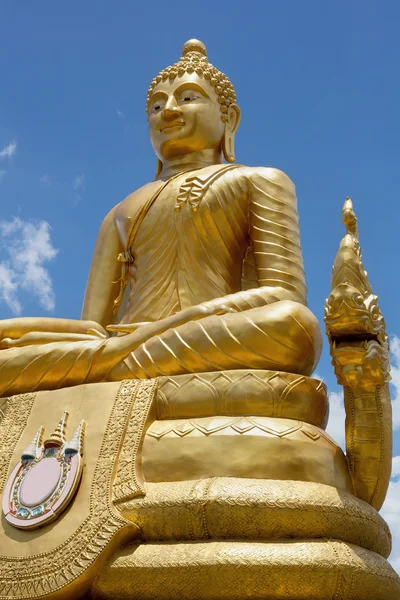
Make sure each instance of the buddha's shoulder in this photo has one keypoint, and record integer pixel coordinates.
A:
(268, 175)
(135, 200)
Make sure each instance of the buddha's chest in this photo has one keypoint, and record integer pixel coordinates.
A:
(192, 211)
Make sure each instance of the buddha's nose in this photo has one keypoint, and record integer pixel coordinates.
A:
(171, 109)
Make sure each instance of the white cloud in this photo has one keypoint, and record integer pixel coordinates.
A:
(318, 376)
(396, 466)
(45, 180)
(8, 289)
(395, 383)
(391, 513)
(336, 418)
(78, 183)
(28, 247)
(9, 150)
(120, 114)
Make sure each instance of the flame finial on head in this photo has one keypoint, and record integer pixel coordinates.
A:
(194, 60)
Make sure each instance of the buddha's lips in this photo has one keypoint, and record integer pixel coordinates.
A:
(166, 128)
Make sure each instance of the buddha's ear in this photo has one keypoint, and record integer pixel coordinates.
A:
(158, 168)
(231, 125)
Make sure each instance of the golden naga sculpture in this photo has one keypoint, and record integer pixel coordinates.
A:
(360, 352)
(208, 472)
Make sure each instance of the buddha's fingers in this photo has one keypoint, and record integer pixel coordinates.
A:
(126, 327)
(97, 334)
(18, 327)
(37, 338)
(146, 330)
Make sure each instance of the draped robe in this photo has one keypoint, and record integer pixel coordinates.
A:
(213, 235)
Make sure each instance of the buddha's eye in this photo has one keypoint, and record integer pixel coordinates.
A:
(157, 106)
(188, 97)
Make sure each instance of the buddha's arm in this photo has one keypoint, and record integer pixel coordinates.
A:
(103, 286)
(275, 242)
(275, 235)
(100, 293)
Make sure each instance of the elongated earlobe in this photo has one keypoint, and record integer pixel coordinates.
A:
(231, 125)
(228, 146)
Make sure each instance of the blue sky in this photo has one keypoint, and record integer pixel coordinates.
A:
(319, 90)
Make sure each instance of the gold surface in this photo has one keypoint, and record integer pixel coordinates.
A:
(360, 354)
(213, 570)
(61, 559)
(210, 255)
(243, 392)
(233, 508)
(251, 446)
(197, 289)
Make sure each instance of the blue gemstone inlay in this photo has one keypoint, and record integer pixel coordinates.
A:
(38, 510)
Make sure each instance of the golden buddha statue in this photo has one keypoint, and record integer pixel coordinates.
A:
(205, 445)
(210, 252)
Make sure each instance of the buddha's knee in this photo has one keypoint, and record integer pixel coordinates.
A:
(292, 332)
(302, 330)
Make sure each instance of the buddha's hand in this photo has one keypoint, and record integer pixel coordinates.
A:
(29, 331)
(247, 299)
(219, 306)
(118, 347)
(192, 313)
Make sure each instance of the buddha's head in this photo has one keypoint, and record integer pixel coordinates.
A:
(191, 106)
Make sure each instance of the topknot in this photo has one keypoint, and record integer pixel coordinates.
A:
(194, 46)
(194, 60)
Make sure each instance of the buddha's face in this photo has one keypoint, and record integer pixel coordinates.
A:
(185, 116)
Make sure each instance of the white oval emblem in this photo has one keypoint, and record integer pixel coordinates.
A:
(44, 481)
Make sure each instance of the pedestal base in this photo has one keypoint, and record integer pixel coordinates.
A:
(231, 570)
(289, 529)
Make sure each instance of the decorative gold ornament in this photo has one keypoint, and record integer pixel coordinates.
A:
(57, 438)
(360, 355)
(33, 449)
(45, 480)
